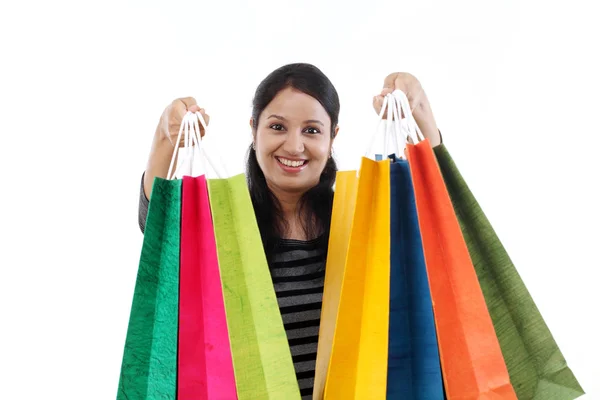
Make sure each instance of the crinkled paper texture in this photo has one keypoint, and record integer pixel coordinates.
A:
(261, 354)
(537, 368)
(149, 367)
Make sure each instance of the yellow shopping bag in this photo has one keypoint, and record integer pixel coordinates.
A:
(358, 360)
(344, 201)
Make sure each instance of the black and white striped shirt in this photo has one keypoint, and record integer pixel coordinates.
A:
(298, 272)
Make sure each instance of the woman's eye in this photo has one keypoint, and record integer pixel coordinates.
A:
(277, 127)
(312, 130)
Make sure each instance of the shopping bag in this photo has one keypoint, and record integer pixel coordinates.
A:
(344, 201)
(261, 355)
(472, 362)
(358, 362)
(470, 355)
(205, 368)
(150, 361)
(537, 368)
(413, 359)
(149, 365)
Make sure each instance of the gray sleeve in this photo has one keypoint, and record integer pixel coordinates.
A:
(143, 206)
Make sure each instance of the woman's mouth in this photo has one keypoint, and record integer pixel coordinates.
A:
(291, 165)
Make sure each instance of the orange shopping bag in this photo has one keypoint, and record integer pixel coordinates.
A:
(472, 363)
(473, 366)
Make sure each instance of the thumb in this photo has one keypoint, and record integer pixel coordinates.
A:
(378, 103)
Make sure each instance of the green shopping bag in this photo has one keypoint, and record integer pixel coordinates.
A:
(261, 354)
(149, 365)
(537, 368)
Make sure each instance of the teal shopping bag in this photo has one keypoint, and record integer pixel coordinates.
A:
(414, 371)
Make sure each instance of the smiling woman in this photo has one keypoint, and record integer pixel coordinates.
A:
(290, 174)
(290, 169)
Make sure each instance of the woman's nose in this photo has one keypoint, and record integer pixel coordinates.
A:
(294, 143)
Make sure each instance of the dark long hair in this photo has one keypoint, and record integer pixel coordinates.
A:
(315, 205)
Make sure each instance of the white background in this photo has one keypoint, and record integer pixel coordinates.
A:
(514, 87)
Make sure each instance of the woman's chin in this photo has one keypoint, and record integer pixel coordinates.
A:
(293, 185)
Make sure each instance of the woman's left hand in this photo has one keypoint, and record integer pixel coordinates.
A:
(419, 104)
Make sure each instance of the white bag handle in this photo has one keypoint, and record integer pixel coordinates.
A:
(411, 126)
(392, 126)
(176, 147)
(400, 128)
(219, 168)
(397, 129)
(377, 127)
(193, 146)
(186, 153)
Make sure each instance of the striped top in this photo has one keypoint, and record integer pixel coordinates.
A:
(298, 273)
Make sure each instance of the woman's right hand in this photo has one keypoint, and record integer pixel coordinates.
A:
(170, 120)
(165, 138)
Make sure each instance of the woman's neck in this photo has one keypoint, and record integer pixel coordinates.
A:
(290, 203)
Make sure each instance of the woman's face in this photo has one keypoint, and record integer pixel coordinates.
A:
(293, 141)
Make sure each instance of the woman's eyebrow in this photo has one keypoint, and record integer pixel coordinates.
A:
(308, 121)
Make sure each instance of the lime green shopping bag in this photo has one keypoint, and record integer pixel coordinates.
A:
(261, 355)
(537, 368)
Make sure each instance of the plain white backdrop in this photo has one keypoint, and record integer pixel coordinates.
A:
(514, 88)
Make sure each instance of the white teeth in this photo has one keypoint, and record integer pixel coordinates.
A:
(290, 163)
